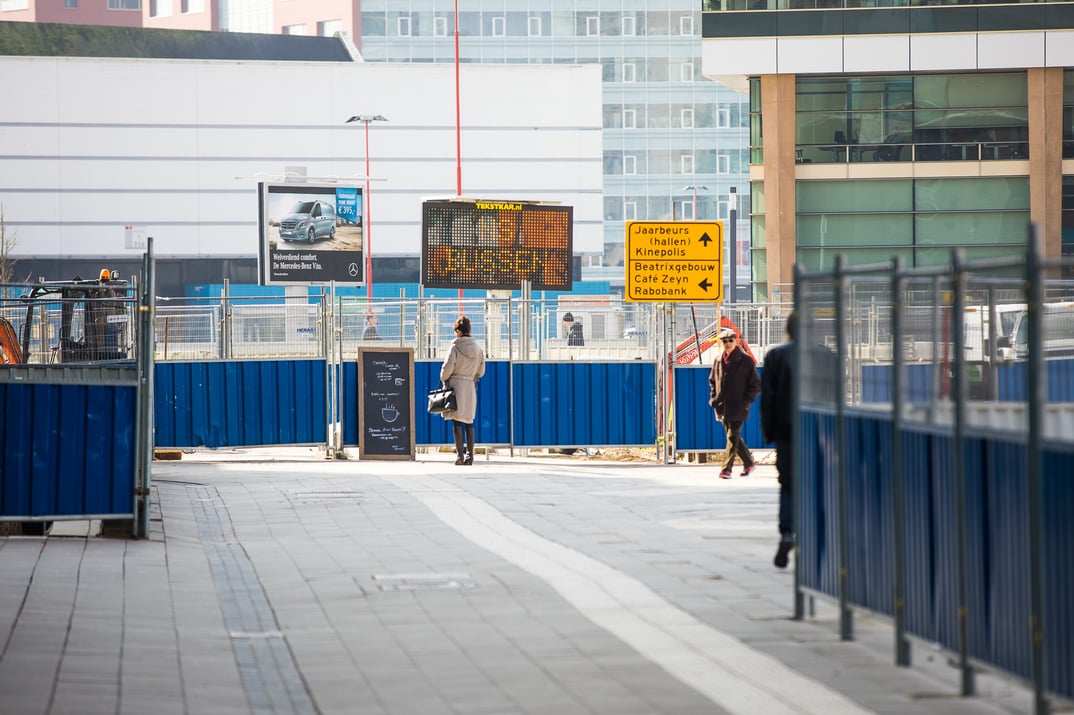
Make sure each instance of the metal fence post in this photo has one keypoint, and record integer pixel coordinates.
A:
(898, 287)
(958, 385)
(800, 338)
(226, 338)
(144, 428)
(1035, 409)
(846, 616)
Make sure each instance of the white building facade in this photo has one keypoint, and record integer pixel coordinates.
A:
(93, 146)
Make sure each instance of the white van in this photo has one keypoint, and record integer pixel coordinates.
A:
(977, 331)
(1058, 332)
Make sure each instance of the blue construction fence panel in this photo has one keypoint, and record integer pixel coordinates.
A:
(817, 526)
(491, 423)
(695, 425)
(1010, 382)
(996, 534)
(94, 471)
(584, 404)
(871, 516)
(1058, 498)
(240, 403)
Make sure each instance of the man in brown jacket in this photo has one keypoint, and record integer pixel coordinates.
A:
(733, 386)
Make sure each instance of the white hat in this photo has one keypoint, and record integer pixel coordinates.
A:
(727, 333)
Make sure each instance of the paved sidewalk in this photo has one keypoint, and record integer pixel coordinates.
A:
(277, 581)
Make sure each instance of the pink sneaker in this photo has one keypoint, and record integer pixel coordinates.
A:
(749, 470)
(725, 474)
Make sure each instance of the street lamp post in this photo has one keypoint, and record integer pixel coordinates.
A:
(695, 188)
(732, 243)
(366, 120)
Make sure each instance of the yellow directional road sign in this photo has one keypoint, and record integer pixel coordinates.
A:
(674, 262)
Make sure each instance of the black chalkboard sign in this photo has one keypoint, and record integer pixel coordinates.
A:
(385, 403)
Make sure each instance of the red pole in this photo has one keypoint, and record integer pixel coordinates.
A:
(368, 222)
(458, 110)
(458, 119)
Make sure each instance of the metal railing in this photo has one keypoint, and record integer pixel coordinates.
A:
(951, 419)
(242, 328)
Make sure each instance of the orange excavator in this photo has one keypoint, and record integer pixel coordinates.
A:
(10, 352)
(688, 350)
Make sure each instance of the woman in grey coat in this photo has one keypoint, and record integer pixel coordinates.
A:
(463, 367)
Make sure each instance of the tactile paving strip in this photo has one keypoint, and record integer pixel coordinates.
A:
(267, 667)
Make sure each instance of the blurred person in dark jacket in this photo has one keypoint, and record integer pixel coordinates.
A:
(777, 417)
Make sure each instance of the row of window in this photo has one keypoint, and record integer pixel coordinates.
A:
(163, 8)
(740, 5)
(541, 24)
(667, 117)
(157, 8)
(687, 163)
(325, 28)
(907, 118)
(643, 208)
(919, 219)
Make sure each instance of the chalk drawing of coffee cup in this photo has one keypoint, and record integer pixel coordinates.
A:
(389, 413)
(399, 381)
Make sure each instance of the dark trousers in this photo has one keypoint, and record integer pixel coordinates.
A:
(785, 474)
(459, 428)
(735, 445)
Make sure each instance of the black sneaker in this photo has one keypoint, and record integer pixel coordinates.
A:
(782, 553)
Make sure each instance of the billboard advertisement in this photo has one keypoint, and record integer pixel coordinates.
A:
(496, 244)
(311, 233)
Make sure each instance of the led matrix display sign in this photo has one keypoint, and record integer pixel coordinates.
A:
(496, 245)
(311, 234)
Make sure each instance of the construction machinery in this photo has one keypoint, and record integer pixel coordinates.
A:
(68, 322)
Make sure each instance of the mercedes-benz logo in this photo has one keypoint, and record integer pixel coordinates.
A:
(352, 269)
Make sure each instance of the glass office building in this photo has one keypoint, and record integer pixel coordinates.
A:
(902, 130)
(675, 143)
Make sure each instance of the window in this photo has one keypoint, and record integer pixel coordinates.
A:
(70, 4)
(193, 6)
(630, 25)
(686, 210)
(723, 164)
(592, 26)
(687, 116)
(629, 72)
(686, 25)
(630, 210)
(953, 117)
(723, 118)
(630, 164)
(403, 27)
(294, 30)
(328, 28)
(9, 5)
(498, 25)
(630, 119)
(723, 210)
(160, 8)
(686, 72)
(533, 26)
(1068, 120)
(124, 4)
(440, 26)
(686, 163)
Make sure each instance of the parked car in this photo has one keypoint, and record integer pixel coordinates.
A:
(308, 221)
